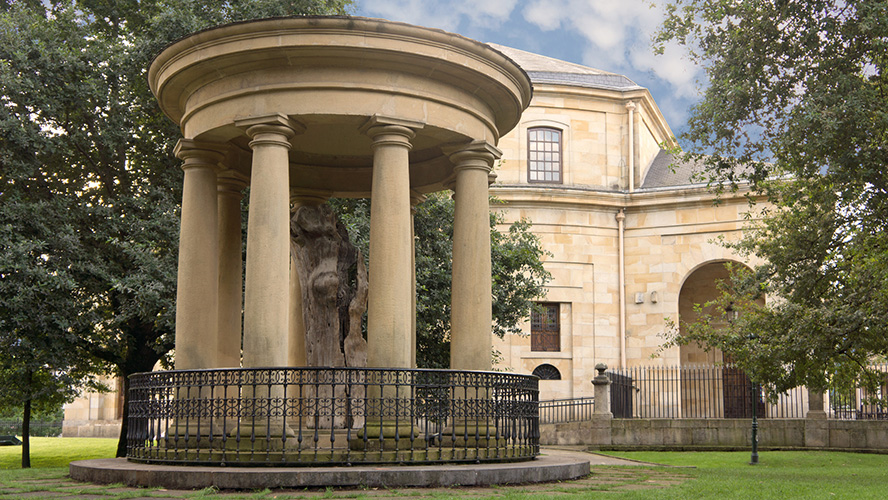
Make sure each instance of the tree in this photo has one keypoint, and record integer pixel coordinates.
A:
(87, 156)
(797, 107)
(38, 368)
(518, 273)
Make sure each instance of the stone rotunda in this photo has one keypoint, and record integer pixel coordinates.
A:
(303, 109)
(300, 110)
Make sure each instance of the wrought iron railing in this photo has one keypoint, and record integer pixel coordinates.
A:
(331, 416)
(861, 403)
(36, 428)
(556, 411)
(704, 391)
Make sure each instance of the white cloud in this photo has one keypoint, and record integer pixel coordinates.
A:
(547, 14)
(445, 15)
(617, 33)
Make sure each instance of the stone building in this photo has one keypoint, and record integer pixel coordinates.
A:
(631, 232)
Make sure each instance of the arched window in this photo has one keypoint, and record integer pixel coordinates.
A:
(544, 155)
(547, 372)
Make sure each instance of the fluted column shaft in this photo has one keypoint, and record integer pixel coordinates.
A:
(196, 295)
(389, 314)
(471, 316)
(231, 275)
(268, 246)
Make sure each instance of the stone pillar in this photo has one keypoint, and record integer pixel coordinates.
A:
(471, 316)
(197, 290)
(415, 199)
(815, 405)
(601, 382)
(197, 300)
(266, 319)
(816, 424)
(389, 313)
(602, 418)
(231, 279)
(297, 355)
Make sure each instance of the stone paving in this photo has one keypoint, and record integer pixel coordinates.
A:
(608, 474)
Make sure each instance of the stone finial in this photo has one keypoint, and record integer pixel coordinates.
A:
(601, 378)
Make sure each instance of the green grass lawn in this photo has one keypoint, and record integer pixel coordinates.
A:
(779, 474)
(718, 475)
(57, 452)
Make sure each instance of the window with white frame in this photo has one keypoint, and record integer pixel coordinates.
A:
(544, 155)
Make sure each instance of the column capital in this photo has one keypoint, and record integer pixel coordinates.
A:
(200, 154)
(231, 182)
(386, 130)
(382, 121)
(304, 197)
(276, 129)
(491, 178)
(416, 198)
(474, 155)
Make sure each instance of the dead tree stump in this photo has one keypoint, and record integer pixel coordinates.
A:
(334, 297)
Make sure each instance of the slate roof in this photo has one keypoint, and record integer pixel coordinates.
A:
(667, 170)
(542, 69)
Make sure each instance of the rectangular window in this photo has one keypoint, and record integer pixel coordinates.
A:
(545, 327)
(544, 154)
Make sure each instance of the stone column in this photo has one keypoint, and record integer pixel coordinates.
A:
(266, 319)
(389, 313)
(231, 281)
(816, 424)
(602, 418)
(197, 290)
(471, 316)
(297, 354)
(415, 199)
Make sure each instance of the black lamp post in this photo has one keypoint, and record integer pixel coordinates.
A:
(754, 394)
(754, 459)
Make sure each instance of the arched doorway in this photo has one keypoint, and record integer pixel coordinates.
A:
(711, 386)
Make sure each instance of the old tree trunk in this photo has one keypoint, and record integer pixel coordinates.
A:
(334, 297)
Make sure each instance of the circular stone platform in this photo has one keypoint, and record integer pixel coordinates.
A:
(553, 465)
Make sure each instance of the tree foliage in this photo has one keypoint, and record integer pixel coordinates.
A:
(90, 187)
(797, 106)
(518, 276)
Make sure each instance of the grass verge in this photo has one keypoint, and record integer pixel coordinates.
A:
(57, 452)
(723, 475)
(779, 474)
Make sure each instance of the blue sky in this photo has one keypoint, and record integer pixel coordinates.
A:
(611, 35)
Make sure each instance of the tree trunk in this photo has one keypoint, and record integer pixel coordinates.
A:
(140, 357)
(26, 436)
(124, 424)
(334, 297)
(334, 288)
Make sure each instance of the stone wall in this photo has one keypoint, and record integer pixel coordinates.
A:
(718, 434)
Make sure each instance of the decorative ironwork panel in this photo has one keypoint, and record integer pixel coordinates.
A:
(331, 416)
